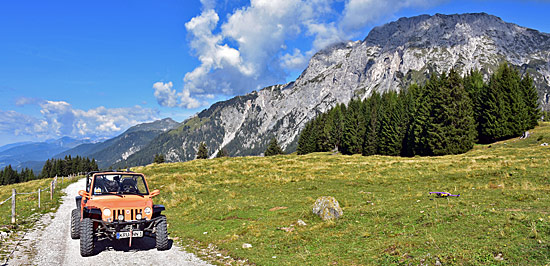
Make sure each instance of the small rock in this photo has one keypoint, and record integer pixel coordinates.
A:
(274, 257)
(327, 208)
(287, 229)
(437, 263)
(525, 135)
(204, 233)
(499, 257)
(301, 223)
(246, 245)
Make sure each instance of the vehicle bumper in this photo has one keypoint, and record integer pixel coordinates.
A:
(109, 229)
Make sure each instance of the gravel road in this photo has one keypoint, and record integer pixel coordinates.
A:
(50, 243)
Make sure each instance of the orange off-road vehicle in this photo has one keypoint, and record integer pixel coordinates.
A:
(117, 205)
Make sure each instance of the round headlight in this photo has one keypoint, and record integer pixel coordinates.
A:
(106, 212)
(121, 217)
(138, 216)
(147, 210)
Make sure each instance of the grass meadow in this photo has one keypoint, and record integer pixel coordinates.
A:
(501, 218)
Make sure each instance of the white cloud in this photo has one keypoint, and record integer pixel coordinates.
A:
(164, 94)
(59, 118)
(297, 60)
(253, 48)
(22, 101)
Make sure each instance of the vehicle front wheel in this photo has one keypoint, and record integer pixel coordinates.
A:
(162, 234)
(75, 224)
(86, 237)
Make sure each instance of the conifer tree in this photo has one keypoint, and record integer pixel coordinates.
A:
(159, 158)
(475, 86)
(418, 133)
(372, 115)
(324, 141)
(202, 153)
(530, 97)
(306, 140)
(221, 153)
(408, 99)
(352, 138)
(391, 130)
(337, 126)
(273, 148)
(452, 128)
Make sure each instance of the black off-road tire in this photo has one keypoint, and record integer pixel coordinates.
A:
(75, 224)
(86, 237)
(162, 234)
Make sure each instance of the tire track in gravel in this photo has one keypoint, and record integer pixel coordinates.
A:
(50, 243)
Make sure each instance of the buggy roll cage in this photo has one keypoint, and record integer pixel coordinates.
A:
(92, 173)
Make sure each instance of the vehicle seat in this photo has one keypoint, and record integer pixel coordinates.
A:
(129, 185)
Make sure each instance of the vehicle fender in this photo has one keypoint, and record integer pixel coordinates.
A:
(90, 211)
(78, 200)
(158, 208)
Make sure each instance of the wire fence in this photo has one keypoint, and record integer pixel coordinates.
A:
(48, 189)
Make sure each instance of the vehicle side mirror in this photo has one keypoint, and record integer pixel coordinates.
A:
(155, 192)
(83, 193)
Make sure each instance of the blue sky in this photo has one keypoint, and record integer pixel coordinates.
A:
(91, 69)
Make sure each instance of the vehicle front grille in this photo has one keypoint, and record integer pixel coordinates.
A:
(129, 214)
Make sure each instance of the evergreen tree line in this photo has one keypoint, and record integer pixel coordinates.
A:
(447, 115)
(68, 166)
(10, 176)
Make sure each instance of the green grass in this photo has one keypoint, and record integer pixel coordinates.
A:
(27, 205)
(27, 208)
(388, 216)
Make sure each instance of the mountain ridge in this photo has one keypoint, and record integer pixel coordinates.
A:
(392, 56)
(120, 147)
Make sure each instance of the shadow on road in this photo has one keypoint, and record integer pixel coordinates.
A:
(138, 244)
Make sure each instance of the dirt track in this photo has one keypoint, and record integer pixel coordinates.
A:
(50, 244)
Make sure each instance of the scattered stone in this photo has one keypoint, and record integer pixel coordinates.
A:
(246, 245)
(204, 233)
(499, 257)
(327, 208)
(525, 135)
(301, 223)
(287, 229)
(437, 262)
(277, 208)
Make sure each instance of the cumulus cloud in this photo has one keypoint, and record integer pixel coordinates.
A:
(166, 96)
(250, 49)
(59, 118)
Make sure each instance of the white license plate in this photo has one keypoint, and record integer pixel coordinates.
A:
(120, 235)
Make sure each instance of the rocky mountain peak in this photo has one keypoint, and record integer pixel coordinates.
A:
(391, 57)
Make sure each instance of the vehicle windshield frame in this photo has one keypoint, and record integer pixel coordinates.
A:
(112, 184)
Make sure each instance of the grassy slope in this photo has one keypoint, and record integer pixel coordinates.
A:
(27, 205)
(388, 216)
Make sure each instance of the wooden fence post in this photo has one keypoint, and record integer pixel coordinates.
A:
(13, 193)
(51, 190)
(39, 198)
